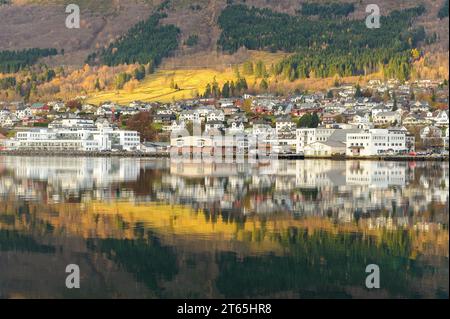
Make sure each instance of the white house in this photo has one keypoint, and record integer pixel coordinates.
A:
(189, 116)
(419, 107)
(430, 132)
(376, 142)
(176, 126)
(217, 125)
(260, 129)
(383, 118)
(73, 124)
(215, 116)
(23, 113)
(236, 127)
(308, 136)
(441, 119)
(285, 124)
(324, 149)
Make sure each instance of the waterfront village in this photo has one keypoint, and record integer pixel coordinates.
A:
(380, 119)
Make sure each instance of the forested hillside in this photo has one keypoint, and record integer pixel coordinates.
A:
(327, 10)
(325, 46)
(443, 12)
(14, 61)
(134, 45)
(146, 42)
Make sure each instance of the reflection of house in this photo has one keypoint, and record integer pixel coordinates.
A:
(189, 168)
(376, 174)
(75, 173)
(2, 142)
(319, 173)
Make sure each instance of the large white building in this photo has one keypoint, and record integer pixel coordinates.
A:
(75, 140)
(377, 142)
(306, 137)
(73, 124)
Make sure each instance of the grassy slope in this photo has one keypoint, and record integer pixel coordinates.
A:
(156, 87)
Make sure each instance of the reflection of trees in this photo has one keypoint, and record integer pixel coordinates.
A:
(309, 194)
(22, 213)
(146, 182)
(321, 264)
(433, 171)
(146, 259)
(13, 241)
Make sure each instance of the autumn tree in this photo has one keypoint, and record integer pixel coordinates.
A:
(121, 79)
(260, 70)
(247, 68)
(142, 123)
(339, 119)
(73, 105)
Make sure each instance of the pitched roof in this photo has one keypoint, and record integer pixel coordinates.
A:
(340, 135)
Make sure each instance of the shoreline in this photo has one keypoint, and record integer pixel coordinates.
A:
(167, 155)
(83, 154)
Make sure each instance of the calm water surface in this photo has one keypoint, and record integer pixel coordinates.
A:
(142, 228)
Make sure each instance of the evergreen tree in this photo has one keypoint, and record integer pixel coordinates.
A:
(226, 90)
(139, 73)
(97, 84)
(358, 92)
(304, 121)
(263, 85)
(315, 120)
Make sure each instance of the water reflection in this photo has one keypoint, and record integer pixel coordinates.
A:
(160, 229)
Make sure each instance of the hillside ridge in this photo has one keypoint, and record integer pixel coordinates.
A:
(40, 23)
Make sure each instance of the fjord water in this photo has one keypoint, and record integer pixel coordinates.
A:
(145, 228)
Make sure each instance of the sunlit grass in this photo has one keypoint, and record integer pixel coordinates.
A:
(157, 87)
